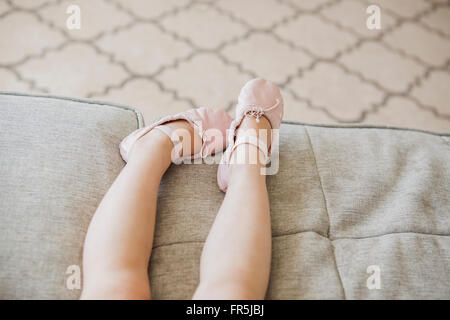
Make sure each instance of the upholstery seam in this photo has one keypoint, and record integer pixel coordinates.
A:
(326, 209)
(392, 233)
(320, 181)
(319, 234)
(364, 126)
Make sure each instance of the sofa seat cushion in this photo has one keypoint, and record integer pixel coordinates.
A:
(347, 200)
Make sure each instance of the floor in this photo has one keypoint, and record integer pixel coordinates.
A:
(165, 56)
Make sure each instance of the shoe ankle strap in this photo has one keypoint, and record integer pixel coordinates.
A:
(172, 136)
(252, 140)
(170, 133)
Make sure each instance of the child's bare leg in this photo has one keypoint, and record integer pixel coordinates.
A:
(119, 240)
(235, 263)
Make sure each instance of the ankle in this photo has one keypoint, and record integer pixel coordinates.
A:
(246, 163)
(246, 174)
(247, 154)
(154, 144)
(259, 128)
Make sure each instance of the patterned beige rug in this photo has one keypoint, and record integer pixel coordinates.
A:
(164, 56)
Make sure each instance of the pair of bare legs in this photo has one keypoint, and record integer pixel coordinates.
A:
(235, 262)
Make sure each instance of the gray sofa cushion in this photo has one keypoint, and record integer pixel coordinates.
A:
(57, 159)
(345, 198)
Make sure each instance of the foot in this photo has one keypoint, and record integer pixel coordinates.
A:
(158, 142)
(261, 100)
(201, 130)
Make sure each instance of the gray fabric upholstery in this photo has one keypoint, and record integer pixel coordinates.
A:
(57, 159)
(345, 198)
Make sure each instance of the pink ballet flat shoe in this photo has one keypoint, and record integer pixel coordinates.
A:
(207, 122)
(258, 98)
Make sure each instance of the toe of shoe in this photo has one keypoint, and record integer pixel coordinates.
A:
(260, 92)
